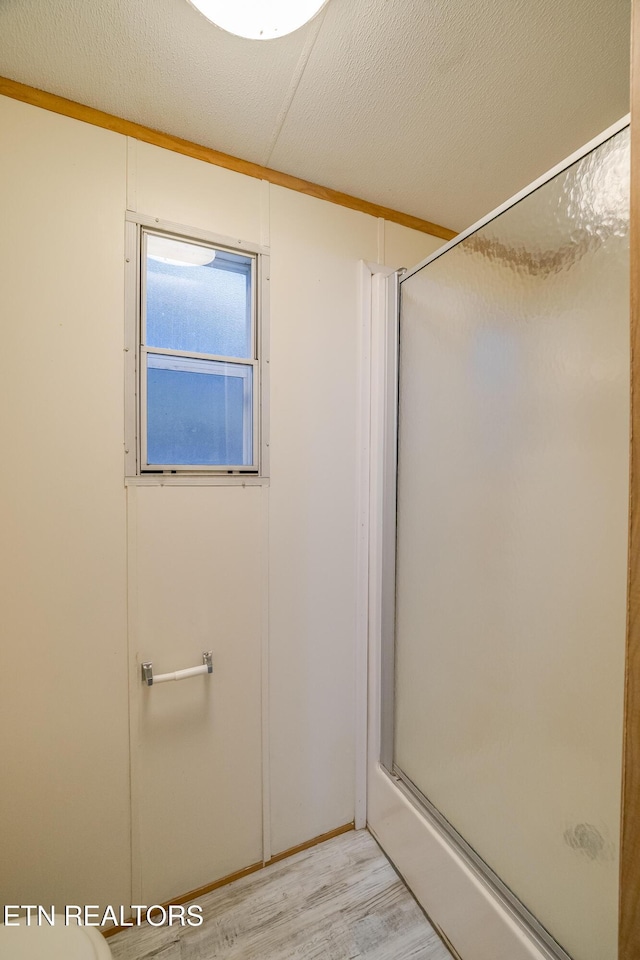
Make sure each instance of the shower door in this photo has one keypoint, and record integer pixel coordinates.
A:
(511, 546)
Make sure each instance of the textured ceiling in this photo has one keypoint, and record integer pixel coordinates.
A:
(439, 108)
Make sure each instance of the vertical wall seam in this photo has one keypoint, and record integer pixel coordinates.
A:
(132, 174)
(265, 213)
(265, 239)
(381, 240)
(132, 607)
(265, 692)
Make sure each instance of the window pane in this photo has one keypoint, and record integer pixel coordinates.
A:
(199, 412)
(197, 299)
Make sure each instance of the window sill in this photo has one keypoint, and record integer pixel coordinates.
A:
(196, 480)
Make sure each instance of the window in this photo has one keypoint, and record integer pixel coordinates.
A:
(197, 376)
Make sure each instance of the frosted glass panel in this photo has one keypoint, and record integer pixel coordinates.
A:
(197, 299)
(198, 412)
(512, 539)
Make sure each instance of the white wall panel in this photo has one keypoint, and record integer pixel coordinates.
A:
(64, 806)
(196, 194)
(315, 248)
(404, 247)
(198, 558)
(197, 583)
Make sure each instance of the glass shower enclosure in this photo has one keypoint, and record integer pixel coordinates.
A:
(504, 706)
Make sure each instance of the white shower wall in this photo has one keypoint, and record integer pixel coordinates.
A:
(80, 583)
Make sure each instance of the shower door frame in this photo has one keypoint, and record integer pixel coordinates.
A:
(545, 944)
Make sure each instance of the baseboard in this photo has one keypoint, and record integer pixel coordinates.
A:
(239, 874)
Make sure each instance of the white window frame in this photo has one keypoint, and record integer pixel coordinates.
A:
(137, 227)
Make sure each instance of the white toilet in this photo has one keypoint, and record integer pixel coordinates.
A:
(58, 942)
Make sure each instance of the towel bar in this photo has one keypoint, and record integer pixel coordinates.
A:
(149, 679)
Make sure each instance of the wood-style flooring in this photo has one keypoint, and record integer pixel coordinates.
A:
(340, 900)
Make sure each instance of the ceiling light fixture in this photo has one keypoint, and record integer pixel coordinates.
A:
(259, 19)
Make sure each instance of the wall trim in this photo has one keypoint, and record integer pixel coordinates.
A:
(629, 902)
(247, 871)
(363, 375)
(300, 847)
(98, 118)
